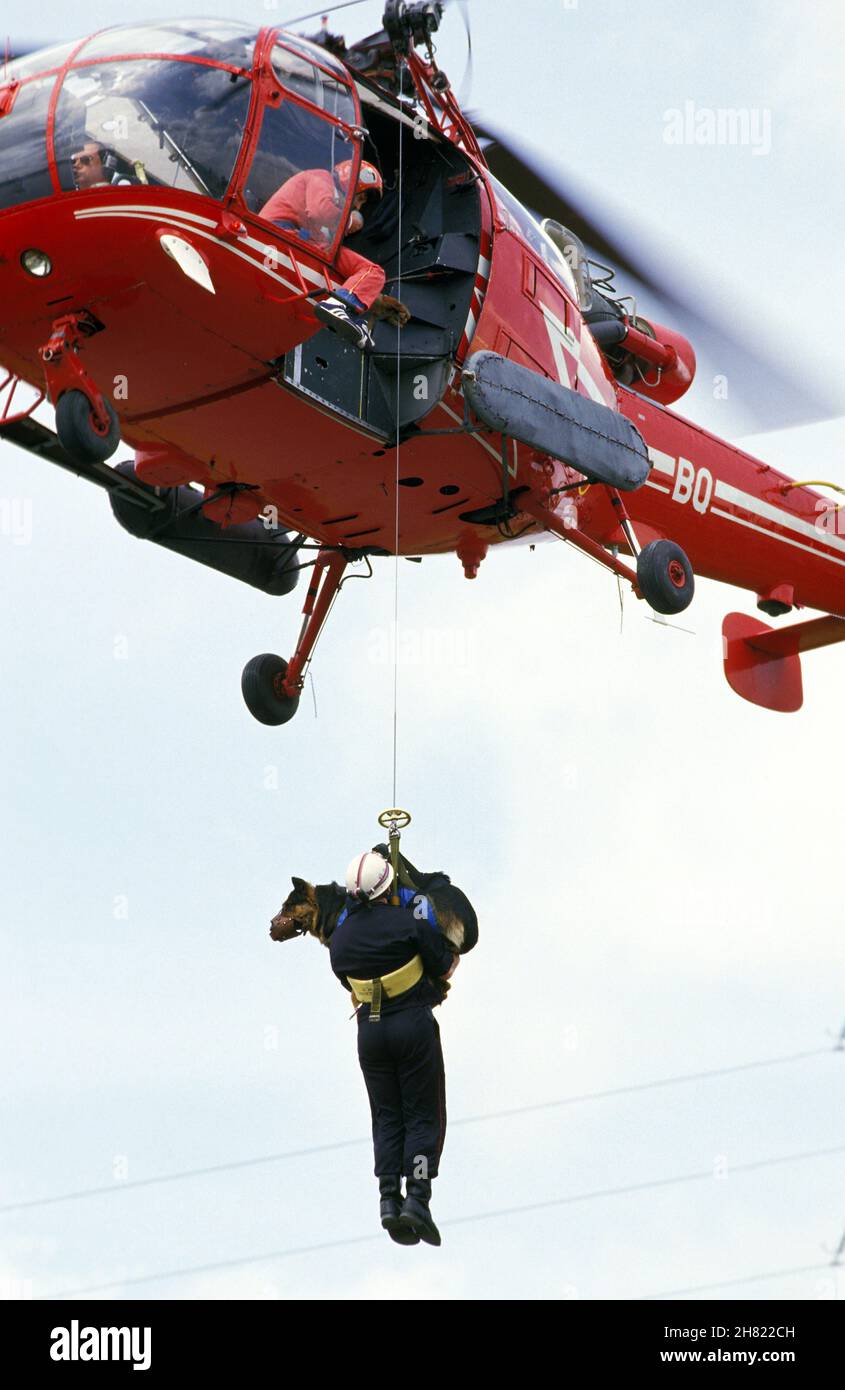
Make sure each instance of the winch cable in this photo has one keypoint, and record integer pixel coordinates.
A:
(396, 479)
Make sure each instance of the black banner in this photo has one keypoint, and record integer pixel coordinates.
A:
(88, 1336)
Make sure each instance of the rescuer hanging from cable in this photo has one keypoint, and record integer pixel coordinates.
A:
(395, 962)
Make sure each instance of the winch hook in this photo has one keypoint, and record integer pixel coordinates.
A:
(393, 822)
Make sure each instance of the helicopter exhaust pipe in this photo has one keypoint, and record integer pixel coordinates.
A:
(266, 560)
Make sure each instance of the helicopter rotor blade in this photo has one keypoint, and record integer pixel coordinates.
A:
(523, 179)
(767, 395)
(465, 84)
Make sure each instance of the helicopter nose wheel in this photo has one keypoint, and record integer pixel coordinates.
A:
(82, 435)
(262, 684)
(86, 423)
(664, 577)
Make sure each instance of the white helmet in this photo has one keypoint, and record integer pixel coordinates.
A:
(369, 874)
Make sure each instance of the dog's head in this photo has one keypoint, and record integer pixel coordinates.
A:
(298, 913)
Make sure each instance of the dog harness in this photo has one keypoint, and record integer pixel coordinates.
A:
(397, 982)
(420, 904)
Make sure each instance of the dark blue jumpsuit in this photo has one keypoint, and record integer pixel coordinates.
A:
(400, 1055)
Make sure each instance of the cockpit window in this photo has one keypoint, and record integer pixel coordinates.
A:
(295, 181)
(572, 249)
(300, 76)
(300, 173)
(165, 124)
(537, 239)
(41, 61)
(222, 41)
(24, 175)
(313, 53)
(180, 121)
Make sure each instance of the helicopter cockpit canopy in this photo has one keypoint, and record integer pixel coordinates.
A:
(201, 106)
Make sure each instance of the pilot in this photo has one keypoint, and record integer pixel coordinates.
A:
(94, 166)
(309, 203)
(395, 963)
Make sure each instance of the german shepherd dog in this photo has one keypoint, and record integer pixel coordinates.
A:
(313, 910)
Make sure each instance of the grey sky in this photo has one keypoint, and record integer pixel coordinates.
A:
(655, 863)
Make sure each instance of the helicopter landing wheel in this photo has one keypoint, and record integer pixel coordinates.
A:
(261, 684)
(81, 435)
(664, 577)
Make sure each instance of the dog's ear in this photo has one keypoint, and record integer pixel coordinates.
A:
(299, 883)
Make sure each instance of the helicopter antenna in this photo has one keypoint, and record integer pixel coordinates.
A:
(320, 14)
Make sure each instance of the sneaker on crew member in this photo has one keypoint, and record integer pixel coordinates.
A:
(344, 312)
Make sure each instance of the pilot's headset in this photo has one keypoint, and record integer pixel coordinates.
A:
(114, 166)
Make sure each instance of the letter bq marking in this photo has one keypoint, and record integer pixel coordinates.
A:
(693, 485)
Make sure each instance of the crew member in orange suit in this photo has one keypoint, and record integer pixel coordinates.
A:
(309, 203)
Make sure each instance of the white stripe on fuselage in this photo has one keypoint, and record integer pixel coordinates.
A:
(664, 463)
(764, 511)
(192, 222)
(767, 512)
(512, 467)
(772, 535)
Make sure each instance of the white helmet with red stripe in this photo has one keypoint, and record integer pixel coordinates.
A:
(369, 874)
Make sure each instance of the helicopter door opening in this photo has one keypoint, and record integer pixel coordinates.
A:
(432, 271)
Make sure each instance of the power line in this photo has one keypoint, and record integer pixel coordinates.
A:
(595, 1194)
(314, 1149)
(646, 1085)
(182, 1175)
(746, 1279)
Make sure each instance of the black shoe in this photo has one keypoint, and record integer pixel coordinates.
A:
(415, 1215)
(390, 1188)
(335, 315)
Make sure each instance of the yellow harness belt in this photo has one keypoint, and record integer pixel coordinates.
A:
(397, 982)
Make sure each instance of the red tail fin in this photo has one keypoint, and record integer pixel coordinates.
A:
(763, 664)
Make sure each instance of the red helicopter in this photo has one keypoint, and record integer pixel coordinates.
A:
(523, 397)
